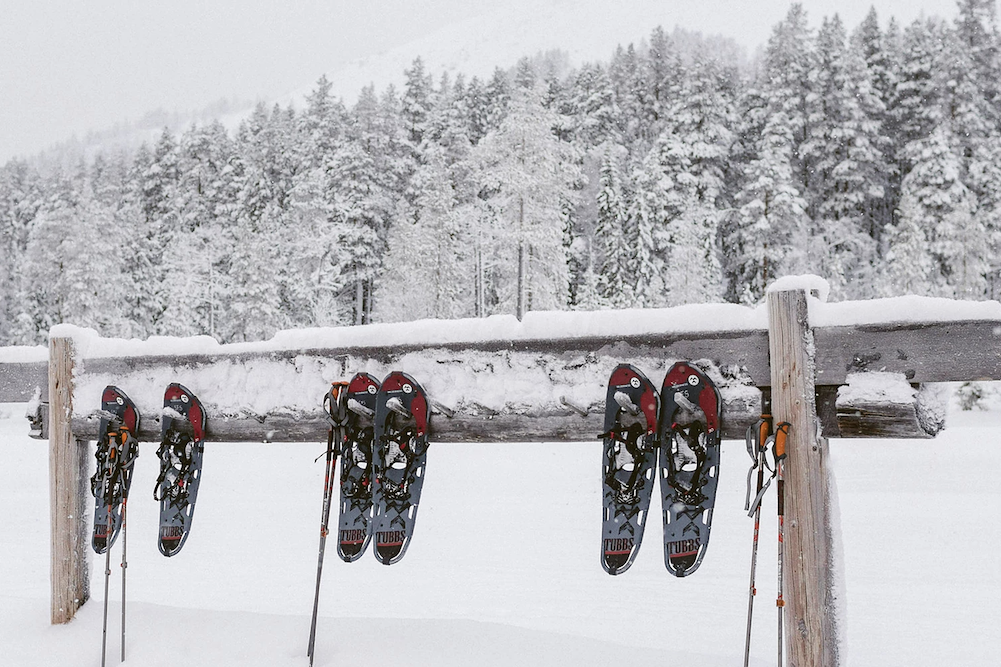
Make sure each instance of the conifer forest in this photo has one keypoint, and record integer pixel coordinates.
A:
(677, 171)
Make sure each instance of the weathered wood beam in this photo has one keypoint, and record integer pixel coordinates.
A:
(464, 425)
(20, 381)
(810, 617)
(70, 574)
(840, 350)
(925, 352)
(845, 416)
(744, 349)
(896, 409)
(564, 380)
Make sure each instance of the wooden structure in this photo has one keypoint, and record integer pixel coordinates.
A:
(799, 366)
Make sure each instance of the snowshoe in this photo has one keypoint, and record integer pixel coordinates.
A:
(182, 444)
(690, 434)
(355, 521)
(117, 450)
(628, 459)
(401, 442)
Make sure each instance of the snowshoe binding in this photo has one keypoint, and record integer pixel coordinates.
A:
(690, 434)
(117, 450)
(628, 459)
(401, 441)
(182, 444)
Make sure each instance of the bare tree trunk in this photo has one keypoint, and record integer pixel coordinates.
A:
(521, 306)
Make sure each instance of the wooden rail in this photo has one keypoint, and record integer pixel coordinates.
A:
(802, 370)
(922, 353)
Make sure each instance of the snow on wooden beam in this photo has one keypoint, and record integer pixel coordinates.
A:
(540, 379)
(887, 405)
(924, 352)
(489, 391)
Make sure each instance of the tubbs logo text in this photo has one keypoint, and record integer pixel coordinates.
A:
(389, 537)
(171, 532)
(683, 547)
(619, 545)
(352, 536)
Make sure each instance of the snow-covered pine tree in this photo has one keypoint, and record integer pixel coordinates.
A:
(843, 146)
(917, 107)
(322, 125)
(195, 253)
(269, 165)
(418, 94)
(154, 183)
(626, 76)
(253, 309)
(591, 108)
(499, 94)
(976, 29)
(965, 105)
(663, 77)
(615, 276)
(786, 83)
(69, 273)
(694, 153)
(945, 209)
(908, 267)
(985, 182)
(880, 53)
(21, 194)
(430, 260)
(527, 174)
(772, 227)
(649, 211)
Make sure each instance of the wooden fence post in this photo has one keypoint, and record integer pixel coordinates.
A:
(811, 631)
(70, 574)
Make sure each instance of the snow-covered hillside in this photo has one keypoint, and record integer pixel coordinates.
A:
(504, 566)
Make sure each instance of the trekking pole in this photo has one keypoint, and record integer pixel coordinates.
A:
(107, 580)
(109, 489)
(781, 433)
(125, 565)
(336, 412)
(757, 435)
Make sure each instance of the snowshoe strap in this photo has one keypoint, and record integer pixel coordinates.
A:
(777, 442)
(181, 443)
(356, 407)
(335, 404)
(757, 434)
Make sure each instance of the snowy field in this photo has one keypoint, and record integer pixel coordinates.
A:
(504, 566)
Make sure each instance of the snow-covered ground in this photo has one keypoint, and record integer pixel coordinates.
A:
(504, 567)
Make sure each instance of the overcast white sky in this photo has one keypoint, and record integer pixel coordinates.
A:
(68, 66)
